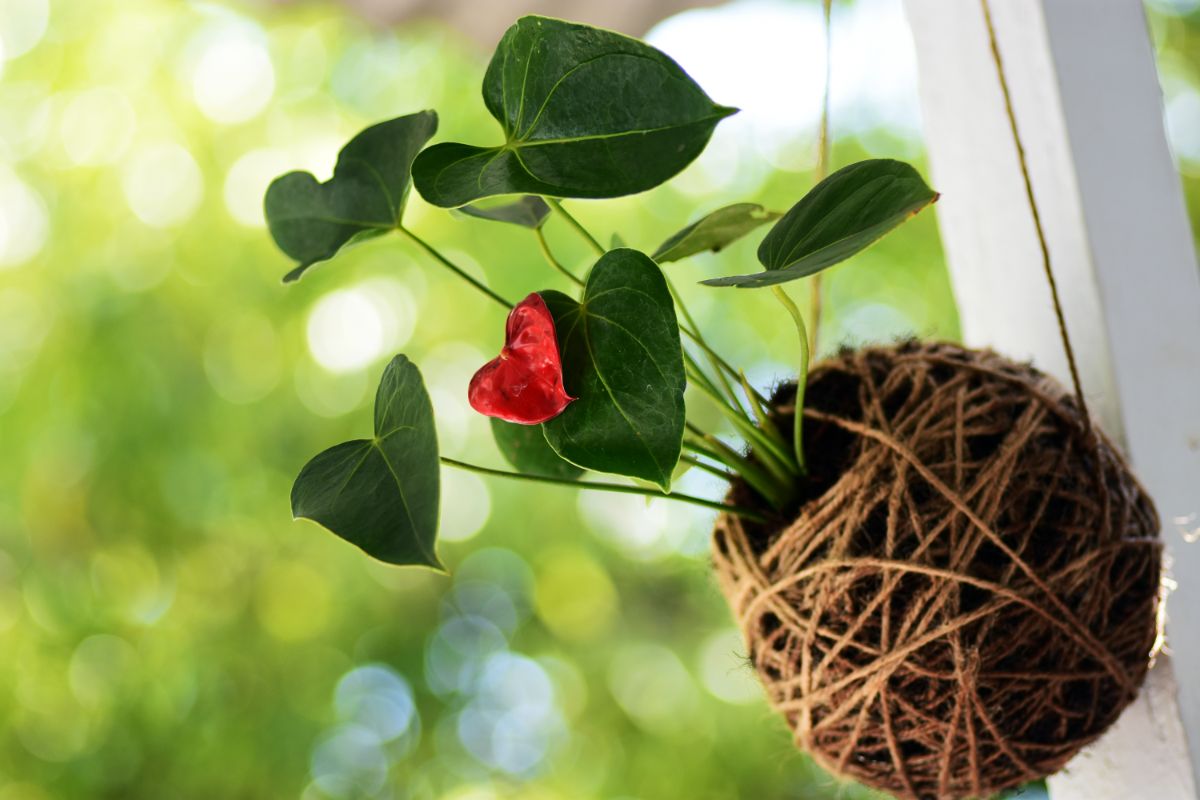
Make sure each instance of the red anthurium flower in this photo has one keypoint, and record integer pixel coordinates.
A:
(525, 382)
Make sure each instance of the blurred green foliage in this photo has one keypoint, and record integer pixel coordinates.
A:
(166, 629)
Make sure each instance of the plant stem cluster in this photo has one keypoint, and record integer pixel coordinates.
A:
(776, 463)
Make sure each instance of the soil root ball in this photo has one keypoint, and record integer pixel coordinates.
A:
(966, 591)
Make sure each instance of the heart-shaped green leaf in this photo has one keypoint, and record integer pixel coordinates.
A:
(312, 221)
(586, 113)
(843, 215)
(526, 448)
(714, 231)
(622, 359)
(381, 493)
(529, 212)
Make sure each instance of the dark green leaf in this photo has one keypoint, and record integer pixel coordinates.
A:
(312, 221)
(714, 231)
(622, 359)
(586, 113)
(841, 216)
(381, 493)
(526, 448)
(528, 212)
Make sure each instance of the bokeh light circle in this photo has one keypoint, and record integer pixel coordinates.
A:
(345, 330)
(97, 126)
(377, 698)
(233, 78)
(163, 184)
(246, 182)
(24, 223)
(467, 508)
(22, 25)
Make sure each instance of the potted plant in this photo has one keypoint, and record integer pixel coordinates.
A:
(907, 529)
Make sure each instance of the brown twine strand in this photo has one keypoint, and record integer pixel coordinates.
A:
(821, 172)
(1037, 217)
(957, 608)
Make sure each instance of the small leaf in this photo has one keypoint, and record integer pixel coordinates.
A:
(586, 113)
(381, 494)
(714, 231)
(526, 448)
(312, 221)
(529, 212)
(617, 241)
(622, 359)
(843, 215)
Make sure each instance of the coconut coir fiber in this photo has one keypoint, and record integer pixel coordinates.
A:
(966, 591)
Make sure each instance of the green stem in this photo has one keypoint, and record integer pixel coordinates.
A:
(574, 223)
(699, 448)
(724, 365)
(762, 481)
(772, 455)
(457, 270)
(801, 378)
(704, 465)
(696, 376)
(554, 262)
(760, 408)
(692, 330)
(748, 513)
(700, 379)
(765, 483)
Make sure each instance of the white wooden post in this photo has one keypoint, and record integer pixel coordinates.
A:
(1089, 108)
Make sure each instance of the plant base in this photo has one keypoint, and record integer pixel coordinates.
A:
(967, 592)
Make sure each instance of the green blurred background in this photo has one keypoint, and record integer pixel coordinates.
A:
(166, 631)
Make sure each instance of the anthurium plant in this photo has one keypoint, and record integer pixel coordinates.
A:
(589, 382)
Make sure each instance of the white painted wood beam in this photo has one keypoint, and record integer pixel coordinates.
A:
(1088, 103)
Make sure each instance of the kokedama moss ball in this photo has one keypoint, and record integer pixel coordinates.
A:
(966, 592)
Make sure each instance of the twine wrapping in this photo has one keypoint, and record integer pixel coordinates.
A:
(968, 592)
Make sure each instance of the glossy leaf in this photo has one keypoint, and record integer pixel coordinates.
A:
(312, 221)
(586, 113)
(529, 211)
(843, 215)
(714, 231)
(526, 448)
(622, 359)
(381, 493)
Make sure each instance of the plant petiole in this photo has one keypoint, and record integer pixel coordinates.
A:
(457, 270)
(747, 513)
(773, 453)
(773, 489)
(692, 331)
(757, 405)
(704, 465)
(801, 377)
(552, 261)
(574, 223)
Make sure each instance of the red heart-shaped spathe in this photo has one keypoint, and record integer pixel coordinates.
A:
(524, 383)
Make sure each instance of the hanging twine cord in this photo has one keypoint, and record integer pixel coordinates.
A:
(822, 171)
(1037, 218)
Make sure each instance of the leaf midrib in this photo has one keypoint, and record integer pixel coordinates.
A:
(587, 340)
(908, 211)
(377, 444)
(888, 182)
(550, 94)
